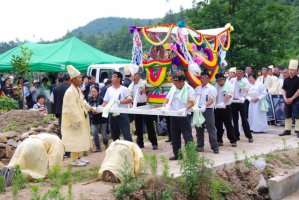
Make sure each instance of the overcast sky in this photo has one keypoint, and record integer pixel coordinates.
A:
(50, 19)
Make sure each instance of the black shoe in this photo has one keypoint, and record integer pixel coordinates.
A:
(234, 144)
(141, 146)
(174, 158)
(200, 149)
(67, 155)
(220, 143)
(216, 151)
(286, 132)
(168, 140)
(238, 139)
(155, 147)
(250, 140)
(297, 132)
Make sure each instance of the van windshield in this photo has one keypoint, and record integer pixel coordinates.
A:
(107, 73)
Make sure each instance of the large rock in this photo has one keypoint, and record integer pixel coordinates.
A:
(12, 142)
(17, 138)
(25, 135)
(2, 152)
(11, 134)
(9, 151)
(3, 139)
(2, 145)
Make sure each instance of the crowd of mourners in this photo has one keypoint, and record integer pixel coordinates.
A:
(236, 98)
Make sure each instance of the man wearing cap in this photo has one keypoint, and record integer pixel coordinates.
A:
(137, 88)
(120, 96)
(127, 80)
(207, 103)
(290, 94)
(16, 96)
(223, 112)
(75, 127)
(58, 95)
(181, 98)
(36, 90)
(241, 87)
(232, 74)
(268, 80)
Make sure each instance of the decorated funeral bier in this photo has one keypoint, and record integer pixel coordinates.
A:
(175, 48)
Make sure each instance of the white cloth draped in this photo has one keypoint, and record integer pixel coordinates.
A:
(256, 117)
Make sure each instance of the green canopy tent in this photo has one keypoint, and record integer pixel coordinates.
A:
(56, 56)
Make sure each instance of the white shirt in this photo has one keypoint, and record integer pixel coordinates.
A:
(221, 94)
(208, 92)
(176, 104)
(270, 82)
(240, 92)
(141, 96)
(117, 93)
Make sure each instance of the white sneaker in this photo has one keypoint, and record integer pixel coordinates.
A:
(78, 164)
(84, 160)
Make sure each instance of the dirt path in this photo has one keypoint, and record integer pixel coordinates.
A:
(263, 143)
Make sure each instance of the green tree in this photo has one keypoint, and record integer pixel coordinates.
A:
(21, 65)
(260, 34)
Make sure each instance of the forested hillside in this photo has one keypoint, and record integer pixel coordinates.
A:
(266, 31)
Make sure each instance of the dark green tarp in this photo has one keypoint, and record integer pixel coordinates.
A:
(56, 56)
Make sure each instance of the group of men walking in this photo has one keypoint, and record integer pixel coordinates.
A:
(220, 105)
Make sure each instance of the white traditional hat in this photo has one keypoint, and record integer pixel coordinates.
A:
(35, 81)
(127, 71)
(233, 69)
(73, 72)
(293, 64)
(271, 67)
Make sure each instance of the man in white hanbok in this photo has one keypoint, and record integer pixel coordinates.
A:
(256, 117)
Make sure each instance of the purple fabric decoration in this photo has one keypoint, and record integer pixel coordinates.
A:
(176, 61)
(209, 53)
(132, 28)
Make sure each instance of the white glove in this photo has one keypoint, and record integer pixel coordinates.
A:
(181, 111)
(98, 109)
(203, 108)
(242, 99)
(220, 105)
(75, 125)
(117, 101)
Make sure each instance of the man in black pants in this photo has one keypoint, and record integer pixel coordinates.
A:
(290, 94)
(223, 113)
(207, 102)
(58, 94)
(241, 87)
(137, 88)
(182, 97)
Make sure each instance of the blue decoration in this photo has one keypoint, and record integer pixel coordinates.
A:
(203, 45)
(181, 24)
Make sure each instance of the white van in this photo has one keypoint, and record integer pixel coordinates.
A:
(102, 71)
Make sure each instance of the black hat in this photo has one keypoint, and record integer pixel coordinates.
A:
(219, 76)
(178, 77)
(205, 74)
(118, 75)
